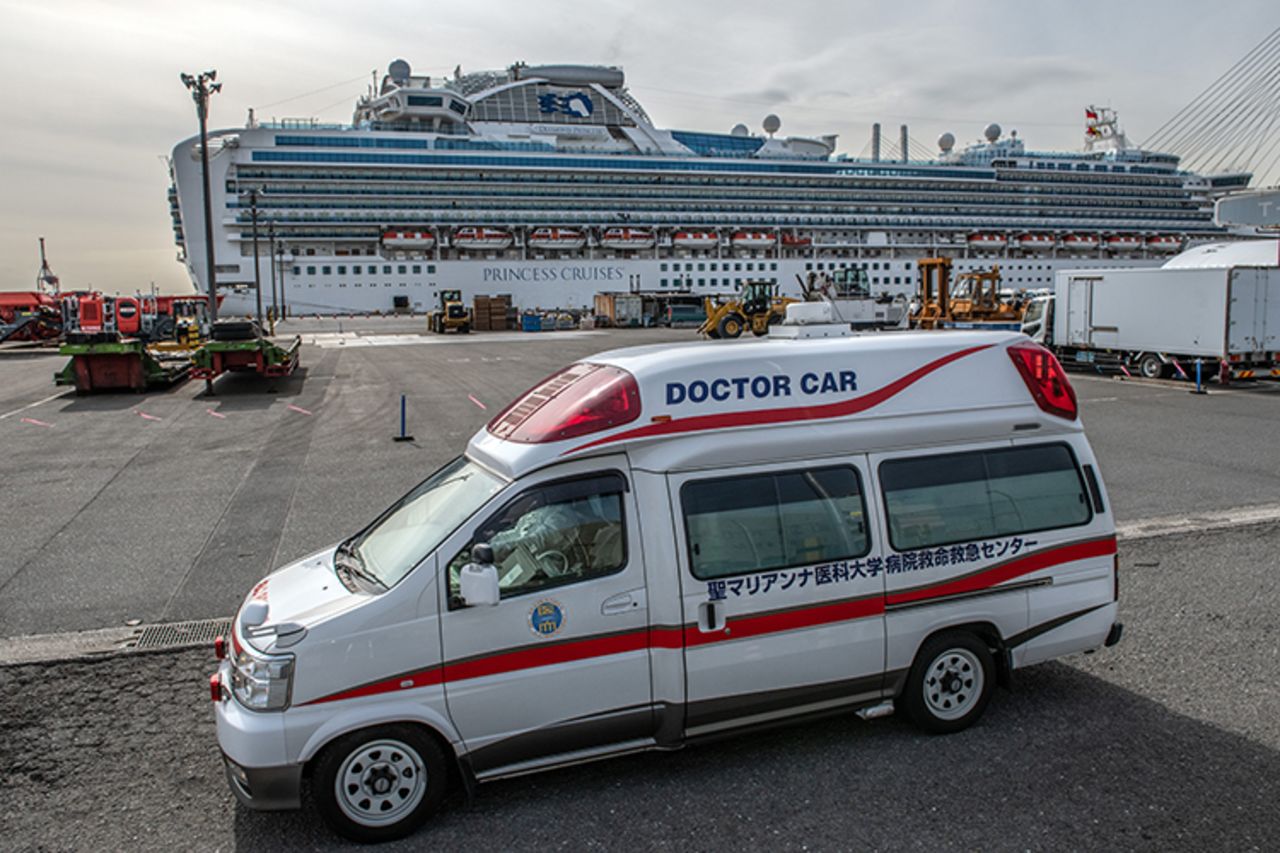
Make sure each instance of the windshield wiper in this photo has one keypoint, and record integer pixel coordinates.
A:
(348, 559)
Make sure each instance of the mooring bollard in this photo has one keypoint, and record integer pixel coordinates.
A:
(403, 436)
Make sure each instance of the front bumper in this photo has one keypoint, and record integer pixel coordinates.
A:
(265, 788)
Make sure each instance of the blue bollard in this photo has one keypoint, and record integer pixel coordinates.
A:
(1199, 386)
(403, 436)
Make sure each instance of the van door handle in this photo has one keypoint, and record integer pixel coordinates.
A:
(623, 602)
(712, 617)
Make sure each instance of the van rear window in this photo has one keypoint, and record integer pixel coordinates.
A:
(760, 522)
(962, 497)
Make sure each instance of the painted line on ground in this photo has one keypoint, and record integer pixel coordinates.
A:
(71, 645)
(32, 405)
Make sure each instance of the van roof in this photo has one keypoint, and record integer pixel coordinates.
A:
(679, 405)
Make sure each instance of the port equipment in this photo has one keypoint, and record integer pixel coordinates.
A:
(451, 316)
(757, 306)
(239, 346)
(974, 303)
(107, 341)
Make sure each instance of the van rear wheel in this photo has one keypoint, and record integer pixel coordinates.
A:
(381, 783)
(950, 683)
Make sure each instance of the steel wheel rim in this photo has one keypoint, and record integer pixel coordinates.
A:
(953, 684)
(380, 783)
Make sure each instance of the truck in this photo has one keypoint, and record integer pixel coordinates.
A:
(1158, 322)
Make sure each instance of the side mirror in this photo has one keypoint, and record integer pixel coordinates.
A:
(478, 581)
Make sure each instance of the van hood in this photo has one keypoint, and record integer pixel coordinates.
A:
(297, 596)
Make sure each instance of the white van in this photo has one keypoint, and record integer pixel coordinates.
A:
(672, 542)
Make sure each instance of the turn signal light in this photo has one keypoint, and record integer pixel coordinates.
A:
(215, 687)
(583, 398)
(1045, 379)
(220, 647)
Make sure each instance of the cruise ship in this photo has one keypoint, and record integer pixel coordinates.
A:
(551, 184)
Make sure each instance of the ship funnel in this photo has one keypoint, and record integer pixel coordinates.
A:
(875, 142)
(904, 143)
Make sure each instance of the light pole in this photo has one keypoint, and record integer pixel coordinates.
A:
(252, 195)
(202, 86)
(271, 239)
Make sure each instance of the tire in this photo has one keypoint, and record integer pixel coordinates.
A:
(1151, 367)
(465, 329)
(950, 683)
(235, 330)
(350, 773)
(731, 325)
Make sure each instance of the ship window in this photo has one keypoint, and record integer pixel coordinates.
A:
(663, 282)
(431, 268)
(417, 268)
(773, 267)
(326, 270)
(662, 268)
(737, 267)
(458, 107)
(713, 267)
(386, 270)
(401, 269)
(702, 267)
(342, 284)
(702, 282)
(425, 101)
(810, 266)
(402, 284)
(311, 270)
(342, 270)
(297, 270)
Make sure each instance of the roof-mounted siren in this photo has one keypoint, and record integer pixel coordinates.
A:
(772, 124)
(946, 142)
(399, 72)
(992, 132)
(740, 129)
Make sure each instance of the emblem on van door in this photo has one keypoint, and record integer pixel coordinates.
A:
(546, 618)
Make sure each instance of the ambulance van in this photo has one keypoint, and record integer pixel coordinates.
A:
(670, 543)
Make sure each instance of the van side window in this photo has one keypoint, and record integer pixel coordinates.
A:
(554, 534)
(961, 497)
(758, 522)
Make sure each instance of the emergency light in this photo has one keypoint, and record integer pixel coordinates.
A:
(1045, 378)
(583, 398)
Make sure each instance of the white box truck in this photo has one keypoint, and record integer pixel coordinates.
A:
(1159, 321)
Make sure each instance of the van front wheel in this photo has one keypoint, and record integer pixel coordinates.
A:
(381, 783)
(950, 683)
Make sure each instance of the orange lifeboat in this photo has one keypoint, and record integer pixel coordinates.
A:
(695, 239)
(1123, 242)
(557, 239)
(795, 240)
(625, 239)
(408, 239)
(753, 240)
(481, 239)
(1164, 243)
(988, 241)
(1035, 242)
(1080, 242)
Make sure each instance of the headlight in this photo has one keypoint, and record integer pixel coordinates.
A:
(262, 683)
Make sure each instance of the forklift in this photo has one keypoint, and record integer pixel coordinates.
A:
(757, 307)
(974, 302)
(451, 316)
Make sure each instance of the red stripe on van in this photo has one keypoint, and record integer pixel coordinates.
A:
(762, 417)
(1008, 571)
(676, 637)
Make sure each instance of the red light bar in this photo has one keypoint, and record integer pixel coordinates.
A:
(1045, 379)
(583, 398)
(215, 687)
(220, 647)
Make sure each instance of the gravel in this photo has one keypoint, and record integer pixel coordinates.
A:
(1168, 741)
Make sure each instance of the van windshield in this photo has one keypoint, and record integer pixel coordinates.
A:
(419, 522)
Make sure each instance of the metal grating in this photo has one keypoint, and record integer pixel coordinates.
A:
(175, 635)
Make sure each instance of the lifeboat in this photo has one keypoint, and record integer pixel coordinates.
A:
(481, 239)
(1080, 242)
(1123, 242)
(752, 240)
(1164, 243)
(557, 239)
(796, 240)
(1035, 241)
(695, 239)
(626, 238)
(408, 239)
(988, 240)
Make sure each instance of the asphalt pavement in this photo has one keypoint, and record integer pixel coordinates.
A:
(1168, 741)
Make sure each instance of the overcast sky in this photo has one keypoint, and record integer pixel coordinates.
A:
(92, 103)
